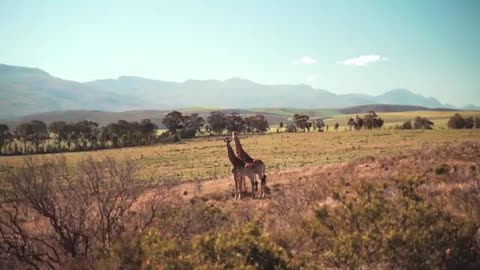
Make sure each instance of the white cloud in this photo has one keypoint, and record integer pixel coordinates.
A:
(363, 60)
(311, 78)
(305, 60)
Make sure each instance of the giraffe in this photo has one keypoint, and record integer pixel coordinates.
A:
(257, 164)
(240, 170)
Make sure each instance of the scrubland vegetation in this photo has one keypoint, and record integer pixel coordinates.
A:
(370, 198)
(408, 211)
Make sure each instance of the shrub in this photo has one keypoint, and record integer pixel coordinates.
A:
(442, 169)
(469, 122)
(406, 125)
(246, 246)
(422, 123)
(456, 122)
(402, 230)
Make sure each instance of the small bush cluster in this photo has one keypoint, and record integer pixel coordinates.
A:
(458, 122)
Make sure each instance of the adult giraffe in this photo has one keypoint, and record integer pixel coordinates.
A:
(257, 164)
(240, 170)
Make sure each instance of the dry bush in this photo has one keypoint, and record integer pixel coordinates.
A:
(51, 216)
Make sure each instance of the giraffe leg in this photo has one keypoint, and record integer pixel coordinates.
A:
(235, 179)
(240, 184)
(252, 182)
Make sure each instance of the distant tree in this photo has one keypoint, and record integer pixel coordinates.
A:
(477, 121)
(359, 122)
(379, 123)
(336, 126)
(234, 122)
(407, 125)
(422, 123)
(4, 136)
(319, 124)
(370, 121)
(351, 124)
(291, 128)
(40, 133)
(281, 125)
(24, 133)
(301, 122)
(192, 124)
(469, 122)
(87, 131)
(257, 123)
(147, 129)
(173, 121)
(456, 121)
(217, 122)
(60, 131)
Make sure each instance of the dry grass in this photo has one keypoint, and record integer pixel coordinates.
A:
(206, 158)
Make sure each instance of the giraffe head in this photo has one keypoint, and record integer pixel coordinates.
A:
(234, 135)
(227, 140)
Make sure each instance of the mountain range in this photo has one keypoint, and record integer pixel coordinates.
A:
(26, 91)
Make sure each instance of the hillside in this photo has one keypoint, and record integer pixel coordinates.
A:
(388, 108)
(26, 91)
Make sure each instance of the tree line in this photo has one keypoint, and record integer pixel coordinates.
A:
(369, 121)
(187, 126)
(458, 122)
(36, 137)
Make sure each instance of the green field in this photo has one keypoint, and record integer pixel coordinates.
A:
(206, 158)
(439, 118)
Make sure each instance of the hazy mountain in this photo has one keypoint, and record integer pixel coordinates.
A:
(242, 93)
(471, 107)
(29, 90)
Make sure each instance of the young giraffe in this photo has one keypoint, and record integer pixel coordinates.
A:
(257, 164)
(240, 170)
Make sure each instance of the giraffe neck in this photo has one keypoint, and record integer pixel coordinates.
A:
(234, 159)
(241, 153)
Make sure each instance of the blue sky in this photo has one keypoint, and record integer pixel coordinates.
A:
(429, 47)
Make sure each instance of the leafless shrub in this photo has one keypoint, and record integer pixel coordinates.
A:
(51, 214)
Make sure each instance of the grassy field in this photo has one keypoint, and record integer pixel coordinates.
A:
(206, 158)
(439, 118)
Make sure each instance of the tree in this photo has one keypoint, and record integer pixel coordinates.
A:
(217, 122)
(4, 136)
(147, 129)
(192, 124)
(351, 123)
(234, 122)
(173, 121)
(336, 126)
(301, 122)
(469, 122)
(60, 131)
(24, 133)
(257, 123)
(422, 123)
(281, 125)
(456, 121)
(319, 124)
(291, 128)
(407, 125)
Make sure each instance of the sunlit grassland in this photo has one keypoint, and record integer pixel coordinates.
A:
(439, 118)
(206, 158)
